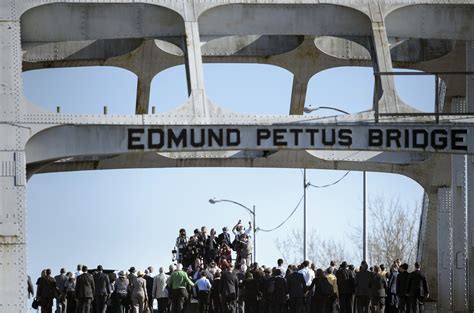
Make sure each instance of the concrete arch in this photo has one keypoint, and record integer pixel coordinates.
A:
(302, 19)
(87, 21)
(440, 21)
(251, 45)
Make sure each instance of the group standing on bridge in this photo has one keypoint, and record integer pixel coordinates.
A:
(205, 271)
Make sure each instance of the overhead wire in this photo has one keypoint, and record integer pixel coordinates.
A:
(286, 220)
(301, 199)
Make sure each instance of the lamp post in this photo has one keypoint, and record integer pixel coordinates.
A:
(310, 109)
(254, 227)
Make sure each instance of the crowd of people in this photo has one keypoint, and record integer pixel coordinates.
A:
(206, 272)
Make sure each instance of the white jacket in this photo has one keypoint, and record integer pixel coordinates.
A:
(159, 286)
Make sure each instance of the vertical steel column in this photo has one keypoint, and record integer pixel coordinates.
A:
(13, 296)
(470, 174)
(458, 194)
(445, 252)
(364, 216)
(304, 216)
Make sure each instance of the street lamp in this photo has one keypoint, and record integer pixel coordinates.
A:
(310, 109)
(252, 213)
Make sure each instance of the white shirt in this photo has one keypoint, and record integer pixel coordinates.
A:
(307, 275)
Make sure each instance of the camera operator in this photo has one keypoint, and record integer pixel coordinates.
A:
(181, 243)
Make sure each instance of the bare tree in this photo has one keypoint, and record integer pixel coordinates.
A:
(392, 231)
(319, 251)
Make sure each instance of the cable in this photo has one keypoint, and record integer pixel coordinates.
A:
(286, 220)
(331, 184)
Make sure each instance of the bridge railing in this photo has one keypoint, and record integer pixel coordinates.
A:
(440, 88)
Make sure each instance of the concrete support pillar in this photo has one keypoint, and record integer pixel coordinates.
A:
(384, 92)
(298, 95)
(445, 252)
(145, 75)
(143, 94)
(13, 295)
(194, 68)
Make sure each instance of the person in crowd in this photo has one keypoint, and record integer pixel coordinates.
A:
(345, 285)
(61, 280)
(333, 267)
(178, 283)
(31, 289)
(280, 266)
(239, 230)
(392, 296)
(383, 271)
(250, 293)
(377, 286)
(244, 251)
(363, 276)
(322, 291)
(224, 237)
(332, 301)
(78, 271)
(180, 246)
(103, 289)
(70, 288)
(149, 288)
(85, 291)
(160, 292)
(308, 278)
(119, 295)
(280, 293)
(267, 288)
(417, 289)
(203, 288)
(47, 291)
(225, 253)
(139, 294)
(216, 305)
(228, 289)
(402, 289)
(296, 290)
(211, 247)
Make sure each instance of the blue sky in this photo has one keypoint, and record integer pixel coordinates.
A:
(123, 218)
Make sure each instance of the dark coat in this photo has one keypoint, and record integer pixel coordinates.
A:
(102, 284)
(224, 238)
(417, 284)
(402, 283)
(85, 287)
(280, 293)
(362, 282)
(229, 284)
(47, 287)
(345, 281)
(296, 285)
(149, 286)
(250, 290)
(215, 290)
(377, 286)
